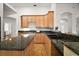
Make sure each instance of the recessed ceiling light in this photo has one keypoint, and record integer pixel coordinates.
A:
(34, 5)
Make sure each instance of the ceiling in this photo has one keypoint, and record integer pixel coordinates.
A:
(30, 4)
(7, 10)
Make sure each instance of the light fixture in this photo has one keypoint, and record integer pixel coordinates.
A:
(10, 39)
(34, 5)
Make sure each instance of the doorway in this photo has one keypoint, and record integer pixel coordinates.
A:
(66, 22)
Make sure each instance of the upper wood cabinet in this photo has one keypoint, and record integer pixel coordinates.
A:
(24, 21)
(50, 19)
(39, 20)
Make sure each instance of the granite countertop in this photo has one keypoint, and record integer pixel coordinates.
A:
(56, 35)
(62, 36)
(74, 46)
(17, 43)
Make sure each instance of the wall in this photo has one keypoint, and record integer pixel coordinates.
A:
(1, 14)
(15, 17)
(77, 19)
(13, 24)
(1, 9)
(66, 7)
(77, 25)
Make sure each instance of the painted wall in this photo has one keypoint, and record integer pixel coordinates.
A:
(67, 7)
(12, 21)
(1, 14)
(1, 9)
(16, 19)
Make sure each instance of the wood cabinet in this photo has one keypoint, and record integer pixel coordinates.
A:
(39, 20)
(50, 19)
(24, 22)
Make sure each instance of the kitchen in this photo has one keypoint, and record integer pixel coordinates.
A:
(30, 29)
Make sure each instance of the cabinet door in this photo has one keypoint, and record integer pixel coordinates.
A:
(45, 22)
(37, 21)
(50, 19)
(41, 21)
(24, 22)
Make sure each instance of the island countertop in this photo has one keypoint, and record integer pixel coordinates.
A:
(16, 43)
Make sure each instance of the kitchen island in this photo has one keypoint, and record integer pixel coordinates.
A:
(40, 45)
(16, 43)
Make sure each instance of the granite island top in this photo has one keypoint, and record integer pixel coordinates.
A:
(17, 43)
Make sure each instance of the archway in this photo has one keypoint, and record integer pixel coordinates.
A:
(66, 22)
(64, 26)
